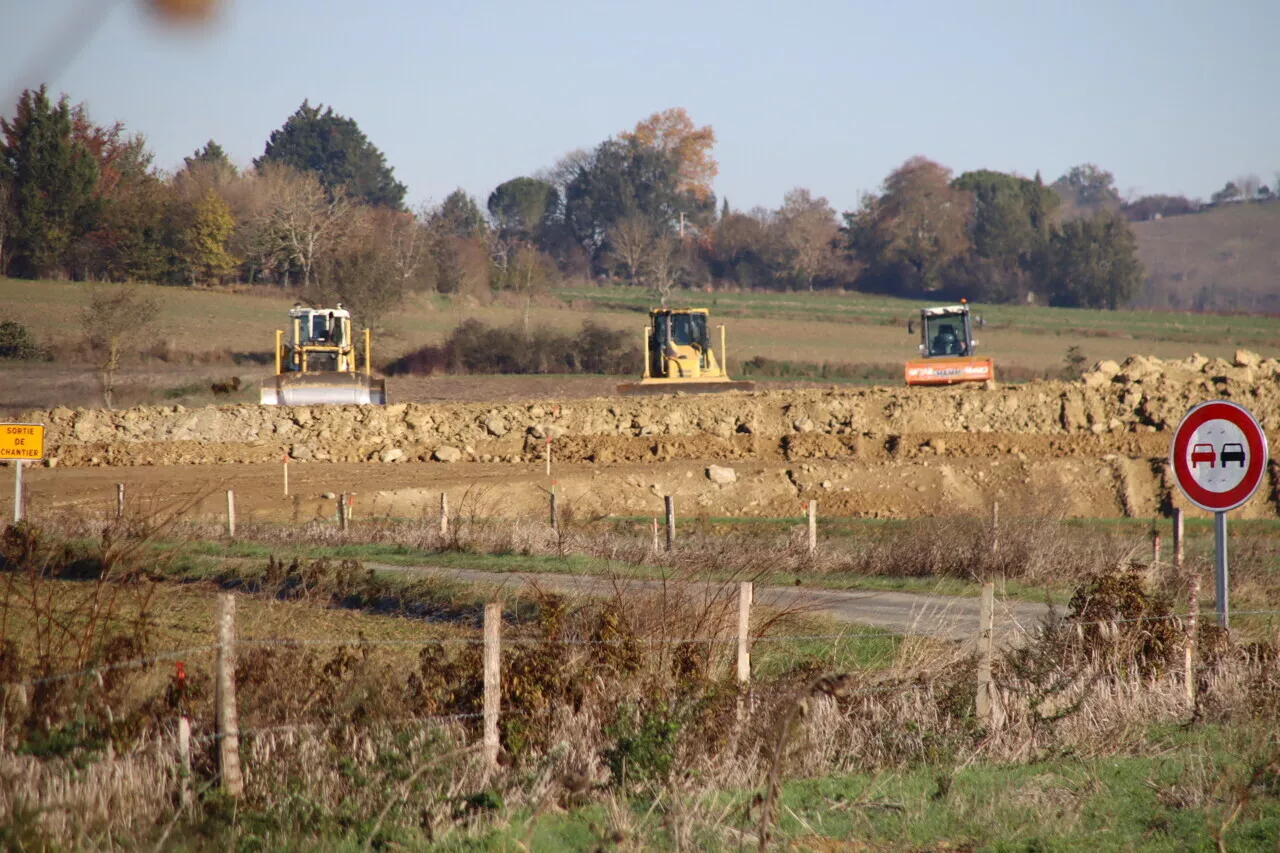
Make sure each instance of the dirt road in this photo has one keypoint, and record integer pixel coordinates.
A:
(942, 616)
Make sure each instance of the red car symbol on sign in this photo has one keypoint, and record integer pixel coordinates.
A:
(1203, 453)
(1232, 453)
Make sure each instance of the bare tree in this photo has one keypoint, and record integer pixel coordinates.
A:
(1248, 186)
(630, 242)
(809, 233)
(112, 319)
(299, 219)
(566, 169)
(407, 243)
(531, 274)
(192, 181)
(501, 247)
(665, 265)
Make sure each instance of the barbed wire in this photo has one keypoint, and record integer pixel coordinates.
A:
(159, 657)
(725, 639)
(258, 731)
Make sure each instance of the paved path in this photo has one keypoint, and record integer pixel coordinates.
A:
(944, 616)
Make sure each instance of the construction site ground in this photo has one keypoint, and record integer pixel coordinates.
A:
(1096, 448)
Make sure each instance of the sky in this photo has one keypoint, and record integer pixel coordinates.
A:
(1172, 96)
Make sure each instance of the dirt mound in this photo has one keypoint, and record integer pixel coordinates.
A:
(1142, 395)
(1096, 447)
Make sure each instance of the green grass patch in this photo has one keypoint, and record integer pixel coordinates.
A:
(1179, 798)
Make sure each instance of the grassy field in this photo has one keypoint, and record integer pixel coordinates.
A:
(1229, 257)
(1181, 797)
(843, 327)
(848, 543)
(206, 336)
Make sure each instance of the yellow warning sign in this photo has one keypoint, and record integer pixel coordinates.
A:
(22, 441)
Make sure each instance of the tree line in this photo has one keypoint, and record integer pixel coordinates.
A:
(320, 212)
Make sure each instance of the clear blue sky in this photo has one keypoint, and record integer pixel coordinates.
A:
(1173, 96)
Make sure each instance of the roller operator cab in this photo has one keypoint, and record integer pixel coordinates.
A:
(320, 362)
(680, 355)
(947, 349)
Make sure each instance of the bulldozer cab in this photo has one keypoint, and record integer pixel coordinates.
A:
(946, 332)
(679, 335)
(323, 327)
(320, 340)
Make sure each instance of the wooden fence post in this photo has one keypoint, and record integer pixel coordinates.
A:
(184, 757)
(670, 503)
(342, 511)
(119, 502)
(555, 516)
(231, 513)
(813, 526)
(995, 526)
(984, 705)
(1177, 540)
(225, 699)
(492, 680)
(444, 514)
(1189, 649)
(745, 595)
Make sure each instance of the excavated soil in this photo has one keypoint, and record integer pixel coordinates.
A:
(1093, 448)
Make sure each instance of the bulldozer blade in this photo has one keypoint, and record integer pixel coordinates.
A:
(334, 389)
(656, 389)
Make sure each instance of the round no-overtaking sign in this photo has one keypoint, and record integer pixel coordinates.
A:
(1219, 455)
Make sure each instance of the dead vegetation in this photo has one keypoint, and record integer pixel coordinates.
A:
(605, 701)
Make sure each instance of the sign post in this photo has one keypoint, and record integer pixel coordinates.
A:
(1219, 455)
(20, 443)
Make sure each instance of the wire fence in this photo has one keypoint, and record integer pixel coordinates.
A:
(850, 637)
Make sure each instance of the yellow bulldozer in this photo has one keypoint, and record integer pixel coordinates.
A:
(679, 356)
(319, 364)
(947, 349)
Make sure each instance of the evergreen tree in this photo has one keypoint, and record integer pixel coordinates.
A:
(337, 151)
(212, 155)
(520, 206)
(52, 180)
(459, 215)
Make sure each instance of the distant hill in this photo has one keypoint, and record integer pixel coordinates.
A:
(1223, 259)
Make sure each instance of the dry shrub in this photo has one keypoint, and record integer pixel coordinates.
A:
(1121, 623)
(633, 692)
(474, 347)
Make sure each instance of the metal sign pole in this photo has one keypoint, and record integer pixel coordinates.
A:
(17, 491)
(1220, 567)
